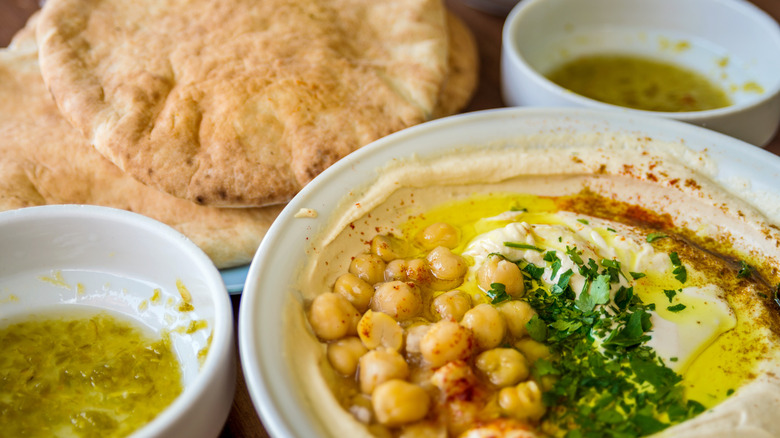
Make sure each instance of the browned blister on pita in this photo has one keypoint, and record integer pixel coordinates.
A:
(44, 160)
(242, 102)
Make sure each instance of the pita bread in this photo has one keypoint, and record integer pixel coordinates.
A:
(240, 102)
(463, 63)
(43, 160)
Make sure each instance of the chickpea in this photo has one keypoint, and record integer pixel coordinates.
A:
(487, 324)
(503, 366)
(344, 355)
(454, 378)
(379, 366)
(501, 427)
(354, 289)
(452, 305)
(397, 402)
(332, 317)
(438, 234)
(369, 268)
(388, 247)
(380, 329)
(497, 270)
(396, 270)
(516, 314)
(446, 341)
(445, 264)
(414, 335)
(417, 270)
(398, 299)
(532, 350)
(424, 429)
(522, 402)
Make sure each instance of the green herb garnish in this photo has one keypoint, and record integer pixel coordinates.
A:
(537, 329)
(652, 237)
(583, 221)
(679, 271)
(497, 293)
(676, 308)
(622, 386)
(598, 293)
(574, 255)
(744, 270)
(522, 246)
(670, 294)
(637, 275)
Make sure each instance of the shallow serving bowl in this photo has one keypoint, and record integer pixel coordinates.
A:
(117, 259)
(283, 397)
(731, 42)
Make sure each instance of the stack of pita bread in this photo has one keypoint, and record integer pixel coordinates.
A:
(209, 115)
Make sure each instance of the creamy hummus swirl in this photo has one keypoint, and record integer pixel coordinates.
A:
(665, 178)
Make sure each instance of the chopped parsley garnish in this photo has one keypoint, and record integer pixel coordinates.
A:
(637, 275)
(619, 384)
(598, 293)
(583, 221)
(552, 257)
(652, 237)
(574, 254)
(679, 271)
(498, 293)
(613, 267)
(516, 208)
(611, 229)
(670, 294)
(744, 270)
(676, 308)
(522, 246)
(729, 392)
(537, 329)
(534, 271)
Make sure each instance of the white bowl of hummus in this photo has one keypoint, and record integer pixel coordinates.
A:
(707, 62)
(112, 324)
(523, 272)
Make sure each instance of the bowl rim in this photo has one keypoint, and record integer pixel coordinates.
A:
(266, 389)
(514, 54)
(221, 346)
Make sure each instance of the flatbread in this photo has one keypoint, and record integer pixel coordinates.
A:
(463, 68)
(241, 102)
(44, 160)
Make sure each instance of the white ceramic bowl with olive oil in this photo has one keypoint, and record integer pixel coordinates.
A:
(141, 316)
(722, 54)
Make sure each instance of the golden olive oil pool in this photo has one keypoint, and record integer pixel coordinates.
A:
(84, 374)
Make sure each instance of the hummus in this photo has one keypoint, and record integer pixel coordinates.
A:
(700, 262)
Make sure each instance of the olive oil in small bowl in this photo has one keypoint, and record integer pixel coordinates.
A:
(641, 83)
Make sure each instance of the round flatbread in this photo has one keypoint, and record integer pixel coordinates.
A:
(240, 102)
(44, 160)
(463, 71)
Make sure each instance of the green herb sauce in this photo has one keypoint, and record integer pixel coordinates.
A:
(90, 375)
(639, 83)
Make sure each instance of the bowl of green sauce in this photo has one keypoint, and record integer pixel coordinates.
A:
(712, 63)
(112, 324)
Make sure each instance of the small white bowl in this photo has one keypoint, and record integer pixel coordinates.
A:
(731, 42)
(284, 397)
(117, 259)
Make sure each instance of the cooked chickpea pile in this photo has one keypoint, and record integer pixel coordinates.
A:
(427, 358)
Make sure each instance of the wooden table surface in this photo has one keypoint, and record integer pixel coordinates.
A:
(243, 420)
